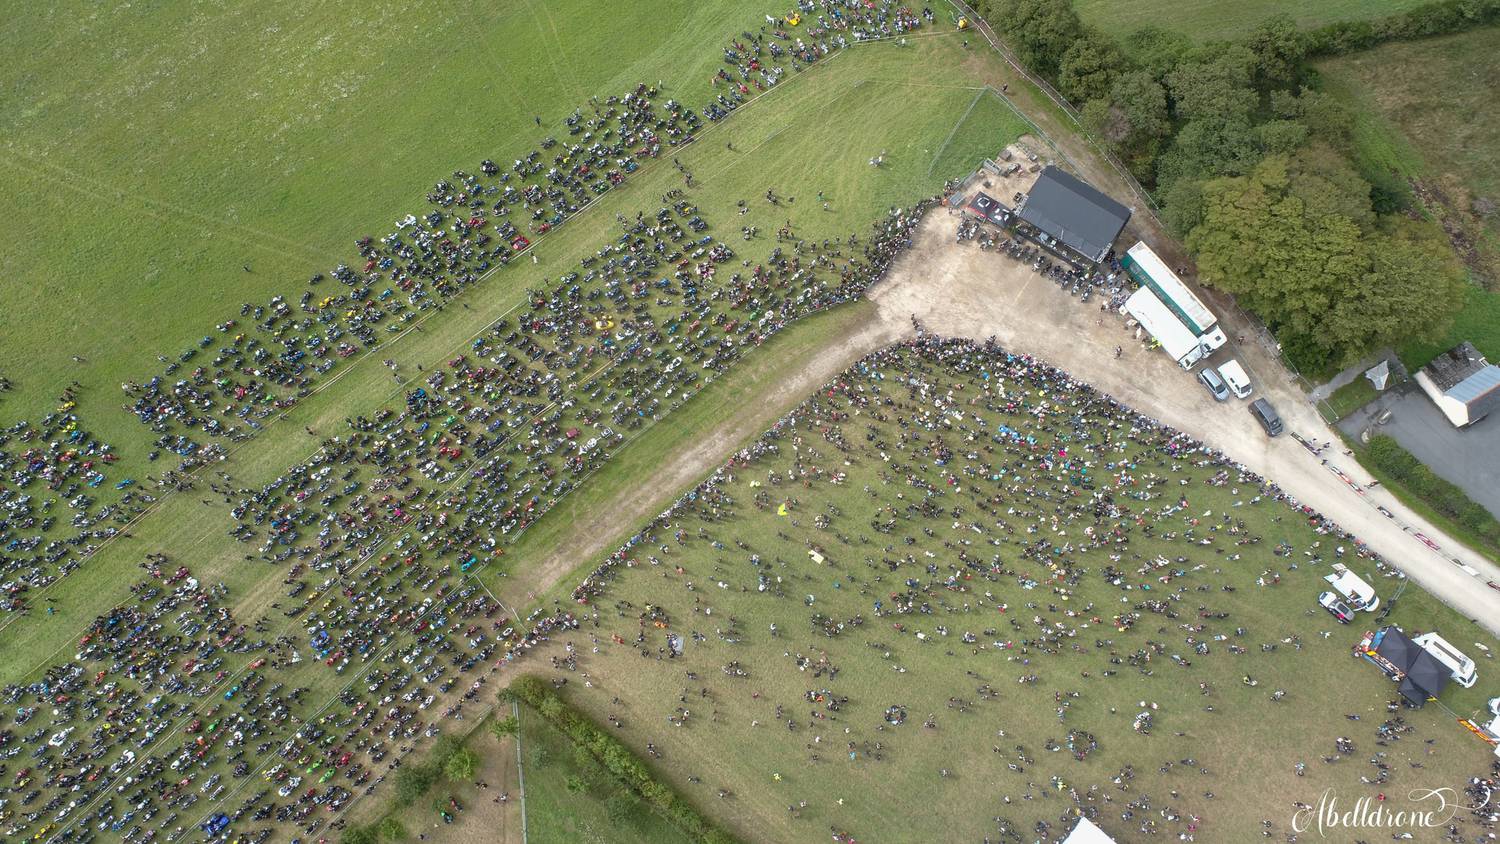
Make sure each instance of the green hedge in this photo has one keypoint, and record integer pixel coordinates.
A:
(618, 759)
(1440, 18)
(1443, 496)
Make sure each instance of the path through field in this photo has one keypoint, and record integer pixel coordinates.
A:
(960, 291)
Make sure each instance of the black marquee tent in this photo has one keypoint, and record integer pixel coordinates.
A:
(1420, 674)
(1074, 214)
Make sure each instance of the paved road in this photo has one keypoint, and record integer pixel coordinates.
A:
(1469, 457)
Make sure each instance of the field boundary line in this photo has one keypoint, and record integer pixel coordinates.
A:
(954, 131)
(151, 206)
(515, 711)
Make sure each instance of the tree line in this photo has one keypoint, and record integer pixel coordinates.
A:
(1252, 166)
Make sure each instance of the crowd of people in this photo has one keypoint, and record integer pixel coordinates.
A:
(372, 539)
(1020, 488)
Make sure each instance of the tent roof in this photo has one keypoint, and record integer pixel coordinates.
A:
(1066, 208)
(1409, 690)
(1481, 387)
(1397, 648)
(1085, 832)
(1428, 673)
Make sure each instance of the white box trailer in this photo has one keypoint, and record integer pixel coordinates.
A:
(1149, 270)
(1355, 591)
(1175, 338)
(1462, 667)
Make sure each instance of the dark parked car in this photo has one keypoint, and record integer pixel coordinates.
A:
(1266, 415)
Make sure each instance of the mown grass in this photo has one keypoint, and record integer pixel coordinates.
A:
(711, 589)
(1206, 20)
(1351, 397)
(558, 810)
(151, 151)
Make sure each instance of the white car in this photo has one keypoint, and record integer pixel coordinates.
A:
(1234, 375)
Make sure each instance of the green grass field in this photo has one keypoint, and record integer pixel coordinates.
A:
(723, 573)
(797, 139)
(1432, 124)
(182, 214)
(568, 794)
(141, 178)
(1206, 20)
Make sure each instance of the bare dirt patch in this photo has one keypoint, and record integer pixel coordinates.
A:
(960, 291)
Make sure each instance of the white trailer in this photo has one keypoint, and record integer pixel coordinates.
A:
(1462, 667)
(1149, 270)
(1175, 338)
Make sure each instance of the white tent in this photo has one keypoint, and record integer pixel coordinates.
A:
(1086, 833)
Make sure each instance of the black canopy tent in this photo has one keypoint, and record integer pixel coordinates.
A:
(1413, 693)
(1420, 674)
(1072, 213)
(1429, 674)
(1397, 649)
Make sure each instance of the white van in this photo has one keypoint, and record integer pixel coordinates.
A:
(1359, 594)
(1234, 375)
(1461, 666)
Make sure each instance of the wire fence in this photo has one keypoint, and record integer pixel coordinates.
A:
(983, 27)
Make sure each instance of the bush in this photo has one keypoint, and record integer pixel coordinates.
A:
(619, 761)
(413, 780)
(359, 835)
(390, 829)
(1446, 498)
(507, 726)
(460, 767)
(1437, 18)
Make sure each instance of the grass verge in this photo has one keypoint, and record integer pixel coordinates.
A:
(1478, 541)
(614, 761)
(1351, 397)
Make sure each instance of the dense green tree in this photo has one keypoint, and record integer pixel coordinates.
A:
(1414, 288)
(1209, 148)
(1324, 116)
(1215, 84)
(1183, 206)
(1090, 66)
(1327, 183)
(1155, 50)
(1257, 241)
(1278, 47)
(1280, 137)
(1298, 260)
(1039, 31)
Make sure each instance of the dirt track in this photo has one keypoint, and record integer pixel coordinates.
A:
(960, 291)
(963, 292)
